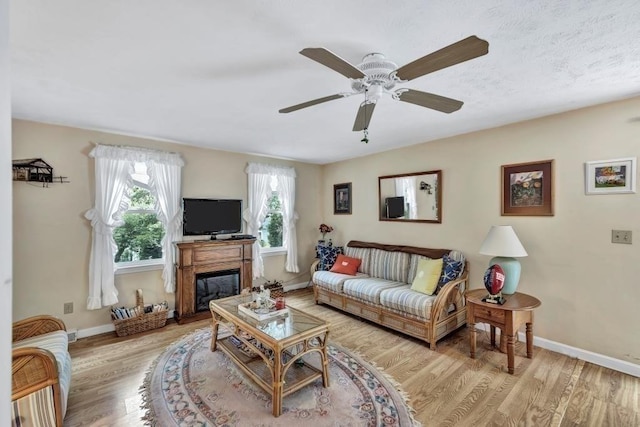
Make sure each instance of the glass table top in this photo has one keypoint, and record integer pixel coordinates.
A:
(290, 323)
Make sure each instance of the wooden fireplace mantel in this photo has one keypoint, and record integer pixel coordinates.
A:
(208, 256)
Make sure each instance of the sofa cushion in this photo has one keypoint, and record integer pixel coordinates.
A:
(390, 265)
(362, 254)
(57, 343)
(403, 299)
(451, 269)
(333, 281)
(368, 289)
(346, 265)
(427, 276)
(327, 256)
(413, 266)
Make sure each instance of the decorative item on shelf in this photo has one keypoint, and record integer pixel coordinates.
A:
(324, 229)
(503, 244)
(263, 309)
(35, 170)
(274, 287)
(494, 282)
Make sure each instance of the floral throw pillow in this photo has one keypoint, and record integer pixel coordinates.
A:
(328, 255)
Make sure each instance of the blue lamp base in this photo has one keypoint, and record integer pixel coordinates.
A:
(511, 268)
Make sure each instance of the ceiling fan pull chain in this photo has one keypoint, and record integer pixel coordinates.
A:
(366, 129)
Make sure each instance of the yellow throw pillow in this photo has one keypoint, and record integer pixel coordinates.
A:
(427, 276)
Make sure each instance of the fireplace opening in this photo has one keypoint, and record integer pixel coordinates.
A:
(215, 285)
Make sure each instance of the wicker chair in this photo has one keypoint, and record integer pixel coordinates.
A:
(41, 371)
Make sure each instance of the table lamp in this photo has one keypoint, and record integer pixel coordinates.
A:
(503, 244)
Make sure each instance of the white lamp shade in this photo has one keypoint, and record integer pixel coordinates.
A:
(502, 241)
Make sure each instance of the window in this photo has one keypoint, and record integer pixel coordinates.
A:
(139, 239)
(271, 231)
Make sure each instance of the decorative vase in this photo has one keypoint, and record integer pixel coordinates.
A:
(330, 243)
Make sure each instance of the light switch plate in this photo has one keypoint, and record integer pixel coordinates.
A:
(621, 236)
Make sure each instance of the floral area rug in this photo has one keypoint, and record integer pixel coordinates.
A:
(189, 385)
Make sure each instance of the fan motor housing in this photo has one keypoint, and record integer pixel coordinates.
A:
(377, 70)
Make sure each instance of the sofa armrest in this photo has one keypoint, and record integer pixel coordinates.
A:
(36, 325)
(35, 371)
(32, 368)
(314, 267)
(451, 293)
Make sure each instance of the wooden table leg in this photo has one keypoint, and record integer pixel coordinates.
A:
(493, 335)
(511, 339)
(472, 339)
(529, 327)
(278, 382)
(325, 363)
(214, 334)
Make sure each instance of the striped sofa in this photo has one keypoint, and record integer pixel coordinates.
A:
(41, 372)
(381, 291)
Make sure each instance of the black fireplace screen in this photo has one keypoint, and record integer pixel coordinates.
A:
(219, 284)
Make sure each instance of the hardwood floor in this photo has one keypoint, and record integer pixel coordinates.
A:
(445, 387)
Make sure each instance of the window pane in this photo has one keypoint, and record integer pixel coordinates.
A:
(271, 230)
(141, 198)
(141, 235)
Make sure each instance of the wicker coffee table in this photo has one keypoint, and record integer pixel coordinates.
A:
(281, 355)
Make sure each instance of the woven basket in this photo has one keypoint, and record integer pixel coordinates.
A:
(275, 290)
(141, 323)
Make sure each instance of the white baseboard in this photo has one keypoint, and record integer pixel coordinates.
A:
(103, 329)
(578, 353)
(295, 286)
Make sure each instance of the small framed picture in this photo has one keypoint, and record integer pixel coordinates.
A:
(527, 189)
(342, 198)
(614, 176)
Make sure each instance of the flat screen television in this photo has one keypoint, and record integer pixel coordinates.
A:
(211, 216)
(395, 207)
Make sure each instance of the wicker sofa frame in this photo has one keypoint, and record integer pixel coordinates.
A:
(35, 368)
(448, 311)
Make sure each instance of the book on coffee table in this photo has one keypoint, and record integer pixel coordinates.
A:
(262, 313)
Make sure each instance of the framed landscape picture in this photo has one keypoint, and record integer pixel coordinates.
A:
(527, 189)
(342, 198)
(610, 176)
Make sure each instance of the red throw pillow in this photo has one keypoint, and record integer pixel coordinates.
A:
(346, 265)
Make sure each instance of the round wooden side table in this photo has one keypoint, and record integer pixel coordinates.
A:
(516, 311)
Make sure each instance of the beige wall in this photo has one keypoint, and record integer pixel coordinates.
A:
(589, 287)
(52, 238)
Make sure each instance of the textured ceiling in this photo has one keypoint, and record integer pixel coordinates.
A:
(214, 74)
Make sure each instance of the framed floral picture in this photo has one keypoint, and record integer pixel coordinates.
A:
(342, 198)
(610, 176)
(527, 189)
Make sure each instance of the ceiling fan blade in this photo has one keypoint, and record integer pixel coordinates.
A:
(364, 116)
(429, 100)
(464, 50)
(313, 102)
(333, 61)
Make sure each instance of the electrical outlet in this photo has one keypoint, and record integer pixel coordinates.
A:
(621, 236)
(68, 307)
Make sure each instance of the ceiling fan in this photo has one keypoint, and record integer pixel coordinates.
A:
(376, 76)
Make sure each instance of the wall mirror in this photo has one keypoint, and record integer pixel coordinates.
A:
(411, 197)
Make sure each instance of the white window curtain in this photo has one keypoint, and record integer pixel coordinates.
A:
(256, 211)
(259, 178)
(408, 188)
(165, 182)
(114, 167)
(287, 188)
